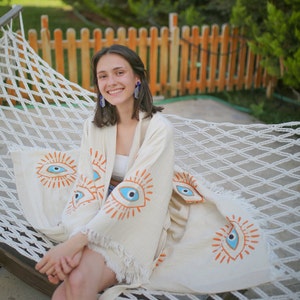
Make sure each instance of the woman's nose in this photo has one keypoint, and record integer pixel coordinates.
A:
(111, 80)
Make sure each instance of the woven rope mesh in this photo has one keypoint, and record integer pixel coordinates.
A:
(40, 108)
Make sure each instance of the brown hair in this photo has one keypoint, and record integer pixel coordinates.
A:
(106, 116)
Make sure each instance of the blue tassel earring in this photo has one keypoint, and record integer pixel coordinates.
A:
(137, 90)
(101, 101)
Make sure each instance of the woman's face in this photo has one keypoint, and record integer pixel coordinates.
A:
(116, 80)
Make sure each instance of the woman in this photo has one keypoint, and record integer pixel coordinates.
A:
(116, 219)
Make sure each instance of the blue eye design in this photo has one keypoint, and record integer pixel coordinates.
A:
(233, 239)
(56, 169)
(129, 193)
(96, 176)
(184, 190)
(78, 195)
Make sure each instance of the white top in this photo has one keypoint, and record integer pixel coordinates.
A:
(120, 167)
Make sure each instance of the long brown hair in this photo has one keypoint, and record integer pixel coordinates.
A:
(108, 115)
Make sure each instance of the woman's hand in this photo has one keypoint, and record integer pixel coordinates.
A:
(63, 258)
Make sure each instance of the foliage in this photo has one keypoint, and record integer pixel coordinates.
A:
(273, 30)
(279, 110)
(155, 12)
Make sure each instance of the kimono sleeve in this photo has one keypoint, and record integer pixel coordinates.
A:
(83, 203)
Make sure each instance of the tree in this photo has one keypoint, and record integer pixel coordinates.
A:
(273, 31)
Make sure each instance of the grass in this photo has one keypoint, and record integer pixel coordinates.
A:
(60, 15)
(278, 109)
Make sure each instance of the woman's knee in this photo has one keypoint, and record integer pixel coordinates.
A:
(76, 280)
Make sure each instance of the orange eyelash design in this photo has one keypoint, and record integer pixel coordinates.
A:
(160, 259)
(84, 193)
(56, 169)
(235, 240)
(99, 168)
(130, 196)
(186, 186)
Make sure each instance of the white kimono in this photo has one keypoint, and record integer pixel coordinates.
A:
(160, 228)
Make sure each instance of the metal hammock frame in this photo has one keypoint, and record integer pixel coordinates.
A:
(41, 108)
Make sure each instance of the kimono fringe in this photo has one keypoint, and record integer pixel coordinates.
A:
(132, 271)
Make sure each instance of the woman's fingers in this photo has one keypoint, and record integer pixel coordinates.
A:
(60, 272)
(65, 265)
(45, 266)
(53, 279)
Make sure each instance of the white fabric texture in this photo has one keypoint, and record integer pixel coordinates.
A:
(160, 228)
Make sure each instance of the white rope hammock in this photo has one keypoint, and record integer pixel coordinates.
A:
(40, 108)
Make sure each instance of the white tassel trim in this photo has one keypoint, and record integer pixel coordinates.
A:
(131, 272)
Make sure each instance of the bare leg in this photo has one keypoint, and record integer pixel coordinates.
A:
(89, 278)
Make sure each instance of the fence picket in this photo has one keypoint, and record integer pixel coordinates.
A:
(85, 58)
(59, 51)
(163, 63)
(72, 57)
(203, 59)
(132, 38)
(232, 59)
(184, 80)
(223, 57)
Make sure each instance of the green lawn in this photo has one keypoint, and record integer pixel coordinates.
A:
(60, 15)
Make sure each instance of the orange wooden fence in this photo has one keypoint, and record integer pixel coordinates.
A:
(180, 61)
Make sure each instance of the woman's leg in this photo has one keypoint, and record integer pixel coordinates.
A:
(89, 278)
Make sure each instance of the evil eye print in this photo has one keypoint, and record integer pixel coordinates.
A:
(235, 240)
(129, 193)
(84, 193)
(99, 168)
(130, 196)
(186, 186)
(56, 169)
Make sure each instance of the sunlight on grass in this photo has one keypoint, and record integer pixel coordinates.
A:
(38, 3)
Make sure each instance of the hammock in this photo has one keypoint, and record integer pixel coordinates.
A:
(41, 108)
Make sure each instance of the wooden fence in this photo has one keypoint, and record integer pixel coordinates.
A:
(180, 61)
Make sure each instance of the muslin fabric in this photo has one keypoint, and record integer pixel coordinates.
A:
(160, 228)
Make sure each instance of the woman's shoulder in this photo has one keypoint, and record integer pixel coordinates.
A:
(160, 124)
(161, 120)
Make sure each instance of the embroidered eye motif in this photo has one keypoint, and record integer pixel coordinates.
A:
(56, 169)
(186, 186)
(99, 168)
(235, 240)
(130, 196)
(84, 193)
